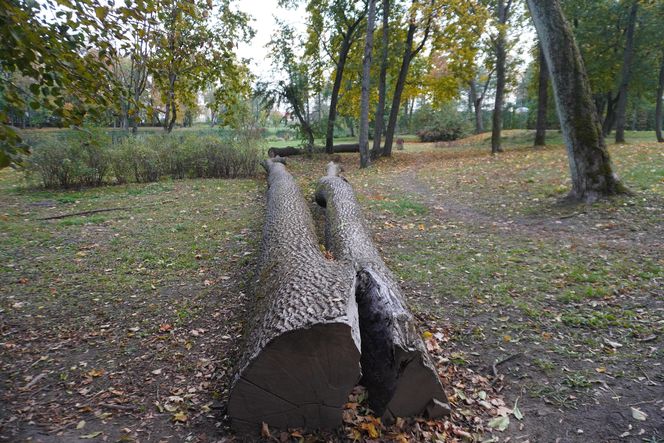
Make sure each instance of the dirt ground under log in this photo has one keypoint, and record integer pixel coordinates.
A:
(544, 319)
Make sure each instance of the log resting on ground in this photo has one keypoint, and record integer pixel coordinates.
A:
(289, 151)
(347, 147)
(284, 152)
(302, 355)
(397, 370)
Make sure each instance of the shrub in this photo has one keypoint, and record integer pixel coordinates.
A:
(71, 160)
(144, 158)
(444, 124)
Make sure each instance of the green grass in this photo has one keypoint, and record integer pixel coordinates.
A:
(481, 245)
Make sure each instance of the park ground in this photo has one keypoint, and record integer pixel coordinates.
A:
(546, 319)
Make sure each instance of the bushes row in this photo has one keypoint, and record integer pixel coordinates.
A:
(76, 161)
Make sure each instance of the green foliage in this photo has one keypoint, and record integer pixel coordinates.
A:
(60, 50)
(444, 124)
(73, 160)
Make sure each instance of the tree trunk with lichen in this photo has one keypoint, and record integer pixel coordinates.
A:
(302, 355)
(628, 56)
(658, 106)
(397, 369)
(589, 160)
(542, 101)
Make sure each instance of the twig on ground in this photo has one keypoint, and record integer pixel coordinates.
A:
(574, 214)
(33, 381)
(95, 211)
(500, 361)
(118, 407)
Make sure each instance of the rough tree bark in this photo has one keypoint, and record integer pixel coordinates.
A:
(542, 100)
(477, 100)
(590, 163)
(477, 110)
(503, 11)
(610, 117)
(346, 43)
(621, 108)
(303, 354)
(379, 119)
(366, 82)
(658, 107)
(397, 370)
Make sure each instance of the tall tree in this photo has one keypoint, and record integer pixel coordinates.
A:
(542, 100)
(366, 82)
(478, 98)
(502, 12)
(410, 51)
(347, 20)
(195, 47)
(658, 106)
(379, 119)
(590, 164)
(294, 90)
(64, 48)
(626, 74)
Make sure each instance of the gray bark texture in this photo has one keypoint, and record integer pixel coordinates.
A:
(302, 355)
(382, 82)
(542, 100)
(628, 57)
(366, 82)
(590, 163)
(290, 151)
(503, 11)
(284, 152)
(397, 370)
(658, 106)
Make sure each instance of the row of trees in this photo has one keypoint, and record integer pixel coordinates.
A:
(150, 60)
(73, 61)
(435, 51)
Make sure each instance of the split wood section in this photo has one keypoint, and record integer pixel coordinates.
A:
(321, 326)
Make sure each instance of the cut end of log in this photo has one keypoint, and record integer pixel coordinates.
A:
(300, 379)
(401, 380)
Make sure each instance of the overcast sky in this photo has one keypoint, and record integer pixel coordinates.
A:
(263, 13)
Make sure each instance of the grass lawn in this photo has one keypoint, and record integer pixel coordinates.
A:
(124, 325)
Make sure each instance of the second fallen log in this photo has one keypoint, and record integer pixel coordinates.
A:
(397, 370)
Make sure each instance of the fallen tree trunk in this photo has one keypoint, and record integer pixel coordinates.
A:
(347, 147)
(289, 151)
(284, 152)
(303, 353)
(397, 369)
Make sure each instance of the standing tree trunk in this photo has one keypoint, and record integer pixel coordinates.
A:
(171, 106)
(658, 107)
(398, 90)
(628, 56)
(542, 100)
(477, 107)
(346, 43)
(589, 160)
(379, 120)
(408, 55)
(501, 61)
(366, 83)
